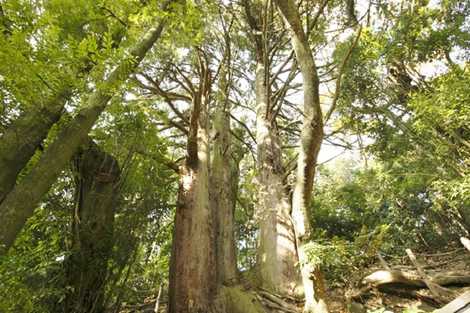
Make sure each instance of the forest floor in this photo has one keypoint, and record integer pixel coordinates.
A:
(360, 297)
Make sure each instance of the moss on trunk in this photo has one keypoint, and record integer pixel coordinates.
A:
(236, 300)
(20, 203)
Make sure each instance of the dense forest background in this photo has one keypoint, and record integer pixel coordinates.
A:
(186, 154)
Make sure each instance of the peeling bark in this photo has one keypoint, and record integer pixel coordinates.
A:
(276, 251)
(192, 275)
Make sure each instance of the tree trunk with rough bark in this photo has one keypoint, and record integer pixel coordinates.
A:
(192, 270)
(276, 252)
(96, 174)
(311, 137)
(20, 203)
(224, 185)
(277, 256)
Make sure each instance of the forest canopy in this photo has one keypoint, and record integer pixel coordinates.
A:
(196, 156)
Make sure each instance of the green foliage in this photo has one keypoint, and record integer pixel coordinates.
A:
(415, 191)
(247, 228)
(33, 271)
(396, 196)
(339, 258)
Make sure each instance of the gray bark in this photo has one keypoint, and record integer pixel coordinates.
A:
(276, 251)
(310, 141)
(21, 139)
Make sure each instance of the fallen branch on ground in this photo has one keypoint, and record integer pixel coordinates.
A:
(441, 294)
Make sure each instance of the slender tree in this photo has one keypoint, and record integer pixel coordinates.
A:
(310, 141)
(224, 178)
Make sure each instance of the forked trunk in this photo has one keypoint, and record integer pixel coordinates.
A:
(277, 251)
(276, 255)
(192, 269)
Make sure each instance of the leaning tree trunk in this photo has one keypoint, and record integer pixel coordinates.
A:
(24, 135)
(96, 175)
(20, 203)
(192, 269)
(311, 137)
(224, 184)
(277, 250)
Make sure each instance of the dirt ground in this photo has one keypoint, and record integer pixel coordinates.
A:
(453, 262)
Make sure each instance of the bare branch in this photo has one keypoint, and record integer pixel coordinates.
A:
(340, 75)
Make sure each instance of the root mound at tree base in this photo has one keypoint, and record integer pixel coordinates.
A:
(237, 300)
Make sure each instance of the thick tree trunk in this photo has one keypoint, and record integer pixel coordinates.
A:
(310, 141)
(192, 275)
(21, 139)
(192, 269)
(224, 185)
(97, 174)
(276, 252)
(20, 203)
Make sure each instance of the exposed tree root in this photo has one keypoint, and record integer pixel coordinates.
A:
(237, 300)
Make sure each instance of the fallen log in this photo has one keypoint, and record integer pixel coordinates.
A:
(451, 280)
(384, 277)
(440, 293)
(460, 304)
(413, 282)
(365, 293)
(397, 277)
